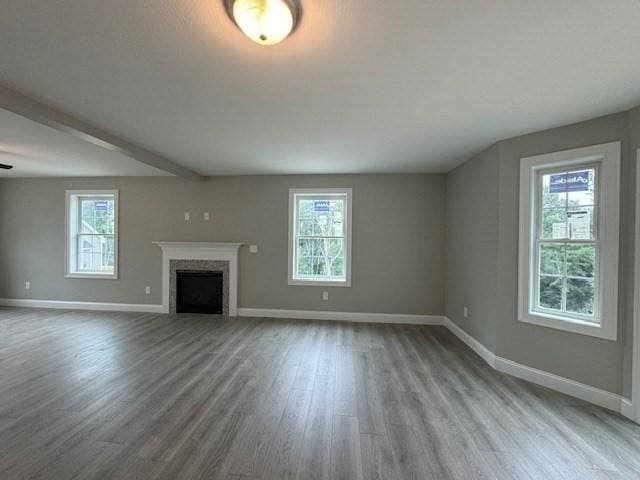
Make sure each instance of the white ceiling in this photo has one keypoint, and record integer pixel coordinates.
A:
(38, 151)
(361, 86)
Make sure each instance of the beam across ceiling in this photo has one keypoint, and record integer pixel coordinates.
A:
(27, 107)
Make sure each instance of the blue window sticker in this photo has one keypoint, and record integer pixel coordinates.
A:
(321, 206)
(101, 206)
(569, 182)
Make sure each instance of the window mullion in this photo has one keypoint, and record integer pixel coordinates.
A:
(563, 306)
(78, 233)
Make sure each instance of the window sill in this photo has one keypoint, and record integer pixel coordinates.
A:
(568, 325)
(319, 283)
(99, 276)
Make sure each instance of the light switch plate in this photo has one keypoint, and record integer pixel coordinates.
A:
(187, 216)
(465, 312)
(147, 290)
(27, 285)
(253, 248)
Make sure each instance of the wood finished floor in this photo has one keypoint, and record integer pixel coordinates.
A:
(143, 396)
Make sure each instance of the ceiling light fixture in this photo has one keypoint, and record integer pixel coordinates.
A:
(266, 22)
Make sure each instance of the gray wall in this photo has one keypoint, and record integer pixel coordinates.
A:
(472, 246)
(634, 145)
(398, 239)
(589, 360)
(398, 245)
(586, 359)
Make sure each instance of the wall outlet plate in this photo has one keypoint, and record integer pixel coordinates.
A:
(27, 285)
(325, 295)
(205, 216)
(147, 290)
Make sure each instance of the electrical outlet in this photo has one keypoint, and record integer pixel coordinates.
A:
(465, 312)
(147, 290)
(205, 216)
(27, 285)
(187, 216)
(253, 248)
(325, 295)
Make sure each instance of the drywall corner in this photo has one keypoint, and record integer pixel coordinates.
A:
(472, 229)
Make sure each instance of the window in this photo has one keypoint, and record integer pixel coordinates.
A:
(569, 229)
(320, 237)
(92, 234)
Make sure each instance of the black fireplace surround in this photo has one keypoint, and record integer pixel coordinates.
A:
(199, 291)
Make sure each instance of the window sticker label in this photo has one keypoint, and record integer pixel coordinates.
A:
(559, 231)
(569, 182)
(100, 206)
(579, 225)
(321, 206)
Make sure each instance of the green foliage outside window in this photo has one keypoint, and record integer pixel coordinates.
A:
(97, 233)
(320, 239)
(567, 270)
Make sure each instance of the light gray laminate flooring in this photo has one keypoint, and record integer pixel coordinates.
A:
(144, 396)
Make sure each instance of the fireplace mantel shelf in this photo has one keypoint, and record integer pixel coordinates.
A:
(219, 246)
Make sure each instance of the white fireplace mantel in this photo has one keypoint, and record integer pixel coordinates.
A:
(222, 251)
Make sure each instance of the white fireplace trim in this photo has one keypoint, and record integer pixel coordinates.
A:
(226, 251)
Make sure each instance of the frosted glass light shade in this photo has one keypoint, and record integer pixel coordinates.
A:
(266, 22)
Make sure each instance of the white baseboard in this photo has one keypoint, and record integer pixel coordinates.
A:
(343, 316)
(627, 409)
(486, 354)
(564, 385)
(70, 305)
(243, 312)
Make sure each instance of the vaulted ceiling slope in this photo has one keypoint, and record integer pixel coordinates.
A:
(361, 85)
(35, 150)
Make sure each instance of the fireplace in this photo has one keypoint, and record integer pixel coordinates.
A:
(199, 291)
(200, 257)
(201, 280)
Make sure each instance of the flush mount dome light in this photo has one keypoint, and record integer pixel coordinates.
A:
(266, 22)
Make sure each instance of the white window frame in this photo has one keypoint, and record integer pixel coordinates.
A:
(607, 222)
(69, 247)
(635, 367)
(320, 192)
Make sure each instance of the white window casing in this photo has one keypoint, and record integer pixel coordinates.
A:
(296, 195)
(604, 161)
(76, 237)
